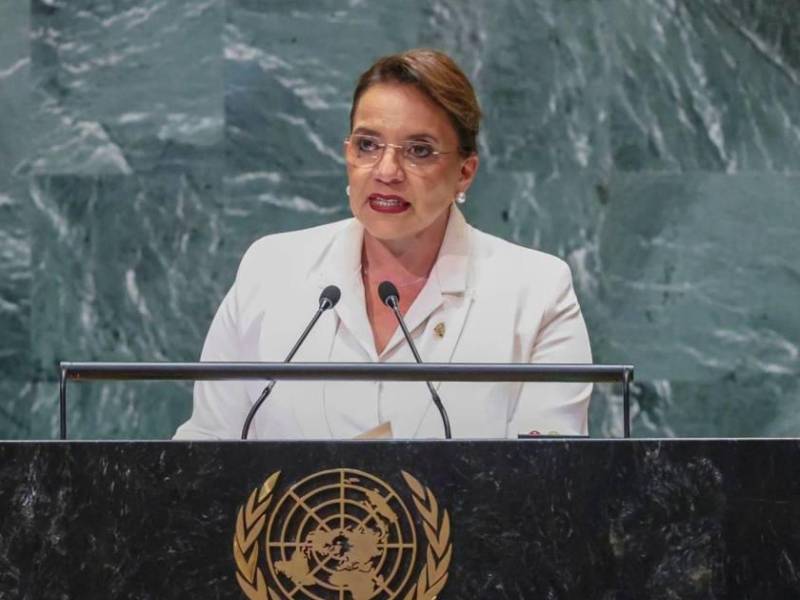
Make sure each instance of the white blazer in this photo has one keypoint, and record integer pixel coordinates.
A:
(486, 300)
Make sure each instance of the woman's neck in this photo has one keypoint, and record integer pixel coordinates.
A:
(407, 260)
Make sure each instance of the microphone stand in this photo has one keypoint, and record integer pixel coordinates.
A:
(392, 301)
(327, 300)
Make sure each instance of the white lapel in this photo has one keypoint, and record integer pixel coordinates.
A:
(442, 306)
(343, 408)
(453, 275)
(341, 266)
(445, 298)
(338, 265)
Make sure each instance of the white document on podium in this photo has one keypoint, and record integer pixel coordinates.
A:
(381, 432)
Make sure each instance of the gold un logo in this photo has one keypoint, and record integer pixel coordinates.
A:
(341, 534)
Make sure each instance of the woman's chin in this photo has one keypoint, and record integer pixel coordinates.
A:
(388, 233)
(395, 229)
(401, 227)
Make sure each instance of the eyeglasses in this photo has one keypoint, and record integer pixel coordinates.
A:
(367, 151)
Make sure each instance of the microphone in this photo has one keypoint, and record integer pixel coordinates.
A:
(327, 300)
(389, 295)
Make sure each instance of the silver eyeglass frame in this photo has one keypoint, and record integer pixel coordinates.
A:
(405, 158)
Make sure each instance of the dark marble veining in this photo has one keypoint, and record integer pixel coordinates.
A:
(540, 519)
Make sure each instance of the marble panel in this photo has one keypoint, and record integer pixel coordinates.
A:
(95, 410)
(15, 281)
(699, 275)
(738, 404)
(125, 268)
(542, 74)
(559, 215)
(735, 405)
(691, 278)
(257, 204)
(124, 410)
(705, 85)
(15, 97)
(127, 86)
(607, 413)
(290, 70)
(15, 247)
(29, 409)
(15, 408)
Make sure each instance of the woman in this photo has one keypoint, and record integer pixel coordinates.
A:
(466, 296)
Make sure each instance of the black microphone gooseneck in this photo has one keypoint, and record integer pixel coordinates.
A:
(327, 299)
(390, 297)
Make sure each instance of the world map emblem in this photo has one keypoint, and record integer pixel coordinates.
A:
(342, 534)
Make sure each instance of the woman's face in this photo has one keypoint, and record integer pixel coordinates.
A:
(393, 200)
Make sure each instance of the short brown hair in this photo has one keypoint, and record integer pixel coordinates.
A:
(440, 78)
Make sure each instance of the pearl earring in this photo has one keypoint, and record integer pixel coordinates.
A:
(461, 197)
(347, 191)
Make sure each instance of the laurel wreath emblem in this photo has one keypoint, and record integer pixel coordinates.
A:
(251, 519)
(249, 524)
(434, 575)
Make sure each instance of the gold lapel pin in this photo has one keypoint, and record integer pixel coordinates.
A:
(439, 329)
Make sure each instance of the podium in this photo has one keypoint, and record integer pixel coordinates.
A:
(566, 519)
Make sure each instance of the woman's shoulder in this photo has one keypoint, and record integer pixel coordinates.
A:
(293, 247)
(516, 262)
(299, 239)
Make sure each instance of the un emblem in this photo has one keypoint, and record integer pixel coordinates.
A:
(341, 534)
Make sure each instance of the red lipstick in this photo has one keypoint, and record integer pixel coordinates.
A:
(387, 203)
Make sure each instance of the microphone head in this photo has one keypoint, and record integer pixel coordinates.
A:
(387, 291)
(329, 297)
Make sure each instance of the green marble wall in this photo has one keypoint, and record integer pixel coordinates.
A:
(655, 145)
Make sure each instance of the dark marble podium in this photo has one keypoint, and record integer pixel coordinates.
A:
(606, 520)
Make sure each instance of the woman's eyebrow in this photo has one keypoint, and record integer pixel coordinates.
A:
(414, 136)
(366, 131)
(423, 136)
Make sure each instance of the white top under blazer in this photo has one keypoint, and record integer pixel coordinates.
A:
(493, 301)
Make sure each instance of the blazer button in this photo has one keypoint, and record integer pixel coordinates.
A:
(439, 330)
